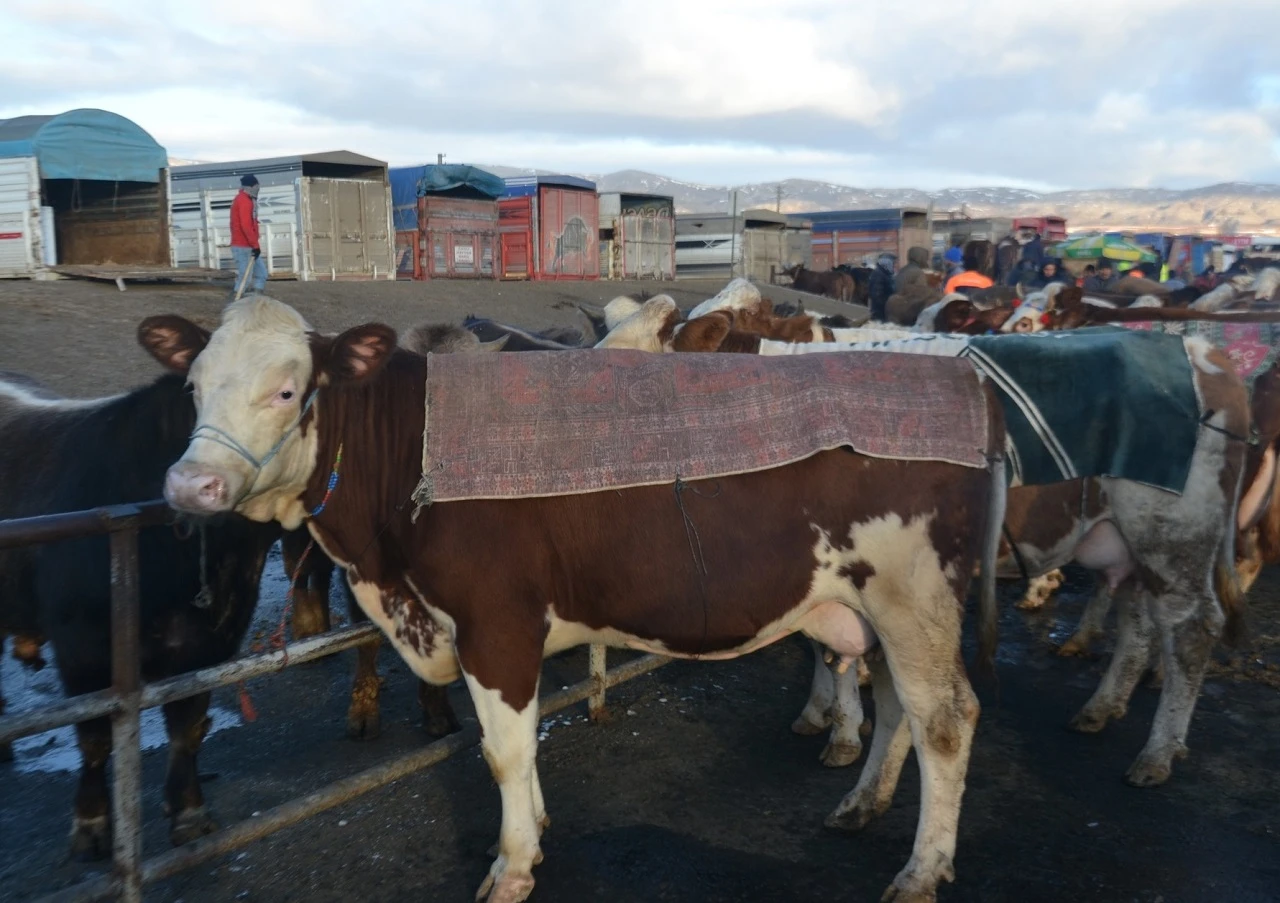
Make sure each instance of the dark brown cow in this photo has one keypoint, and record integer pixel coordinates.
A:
(830, 283)
(860, 550)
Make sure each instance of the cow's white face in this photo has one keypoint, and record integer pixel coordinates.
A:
(249, 384)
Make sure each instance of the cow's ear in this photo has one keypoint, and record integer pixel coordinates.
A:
(360, 352)
(172, 340)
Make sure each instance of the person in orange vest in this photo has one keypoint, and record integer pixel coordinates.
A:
(244, 233)
(969, 279)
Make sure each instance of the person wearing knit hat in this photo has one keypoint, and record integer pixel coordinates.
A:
(245, 250)
(955, 261)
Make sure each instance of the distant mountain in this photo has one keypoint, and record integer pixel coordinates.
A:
(1229, 207)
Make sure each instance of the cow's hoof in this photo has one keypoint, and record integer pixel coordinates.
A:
(190, 825)
(895, 894)
(808, 728)
(440, 725)
(1088, 721)
(838, 755)
(854, 818)
(1076, 647)
(1027, 603)
(364, 722)
(1154, 770)
(90, 838)
(502, 886)
(1148, 774)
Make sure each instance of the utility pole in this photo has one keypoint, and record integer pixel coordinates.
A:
(733, 237)
(439, 159)
(778, 205)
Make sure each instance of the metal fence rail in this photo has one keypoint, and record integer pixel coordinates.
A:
(127, 697)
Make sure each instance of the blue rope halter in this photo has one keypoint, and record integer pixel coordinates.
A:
(225, 439)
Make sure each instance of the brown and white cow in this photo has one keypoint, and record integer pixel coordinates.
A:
(1174, 553)
(861, 552)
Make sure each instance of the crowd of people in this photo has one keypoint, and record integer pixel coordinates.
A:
(899, 295)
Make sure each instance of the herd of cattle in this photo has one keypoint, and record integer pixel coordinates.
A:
(267, 431)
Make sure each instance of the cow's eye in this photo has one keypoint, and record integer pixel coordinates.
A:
(286, 394)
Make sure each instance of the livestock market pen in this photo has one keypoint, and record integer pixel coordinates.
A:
(694, 791)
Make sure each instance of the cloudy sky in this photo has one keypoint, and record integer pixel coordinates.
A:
(920, 93)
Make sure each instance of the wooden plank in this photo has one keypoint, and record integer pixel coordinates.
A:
(119, 274)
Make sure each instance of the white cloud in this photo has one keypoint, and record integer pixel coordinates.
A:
(1052, 93)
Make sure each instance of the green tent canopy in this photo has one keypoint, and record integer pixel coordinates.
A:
(1096, 247)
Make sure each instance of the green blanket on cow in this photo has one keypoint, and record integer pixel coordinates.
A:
(1095, 402)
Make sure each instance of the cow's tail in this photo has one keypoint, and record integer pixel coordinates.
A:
(988, 609)
(1226, 583)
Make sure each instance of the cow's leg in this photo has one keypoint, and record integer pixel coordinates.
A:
(1185, 648)
(1128, 662)
(310, 579)
(816, 716)
(890, 743)
(91, 820)
(921, 642)
(364, 720)
(1091, 622)
(187, 723)
(437, 714)
(509, 740)
(844, 746)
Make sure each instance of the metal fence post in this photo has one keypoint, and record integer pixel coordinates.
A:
(126, 680)
(596, 674)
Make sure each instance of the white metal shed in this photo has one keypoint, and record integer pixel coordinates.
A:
(323, 216)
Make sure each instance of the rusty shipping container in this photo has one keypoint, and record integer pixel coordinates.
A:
(857, 237)
(446, 219)
(549, 228)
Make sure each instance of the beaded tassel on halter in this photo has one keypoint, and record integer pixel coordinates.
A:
(333, 482)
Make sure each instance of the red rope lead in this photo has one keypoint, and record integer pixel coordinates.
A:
(277, 640)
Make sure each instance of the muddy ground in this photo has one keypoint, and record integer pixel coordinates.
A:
(695, 789)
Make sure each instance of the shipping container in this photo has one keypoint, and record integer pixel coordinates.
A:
(637, 236)
(81, 188)
(1051, 228)
(857, 237)
(446, 220)
(955, 231)
(757, 244)
(323, 216)
(549, 228)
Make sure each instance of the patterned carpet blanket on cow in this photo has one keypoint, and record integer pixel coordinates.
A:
(1252, 347)
(1095, 402)
(513, 425)
(1101, 401)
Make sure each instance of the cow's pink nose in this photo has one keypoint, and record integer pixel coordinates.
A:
(197, 492)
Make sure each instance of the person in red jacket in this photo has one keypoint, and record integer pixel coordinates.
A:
(244, 233)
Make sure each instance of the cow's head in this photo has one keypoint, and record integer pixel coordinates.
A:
(254, 383)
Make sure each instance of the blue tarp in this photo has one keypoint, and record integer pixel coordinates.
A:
(84, 144)
(408, 183)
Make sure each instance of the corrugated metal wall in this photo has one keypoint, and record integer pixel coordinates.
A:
(20, 250)
(568, 233)
(458, 238)
(314, 228)
(516, 223)
(201, 227)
